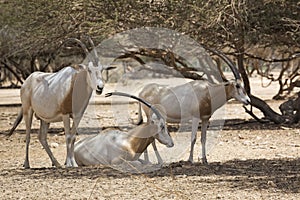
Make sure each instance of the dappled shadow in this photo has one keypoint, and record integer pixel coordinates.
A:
(236, 124)
(251, 124)
(229, 124)
(282, 174)
(34, 131)
(81, 130)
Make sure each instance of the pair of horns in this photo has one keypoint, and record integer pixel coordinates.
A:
(95, 58)
(159, 116)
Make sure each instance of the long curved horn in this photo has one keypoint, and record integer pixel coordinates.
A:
(96, 58)
(93, 46)
(228, 61)
(78, 42)
(136, 98)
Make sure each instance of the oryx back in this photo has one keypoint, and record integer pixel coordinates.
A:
(50, 94)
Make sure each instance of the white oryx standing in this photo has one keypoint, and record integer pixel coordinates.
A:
(196, 100)
(59, 96)
(115, 146)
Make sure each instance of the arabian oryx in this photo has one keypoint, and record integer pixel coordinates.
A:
(195, 101)
(115, 146)
(59, 96)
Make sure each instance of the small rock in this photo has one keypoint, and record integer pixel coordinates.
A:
(285, 128)
(284, 156)
(181, 176)
(294, 145)
(271, 183)
(54, 145)
(247, 143)
(241, 137)
(258, 137)
(188, 166)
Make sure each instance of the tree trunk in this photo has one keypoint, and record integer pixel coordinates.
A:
(240, 59)
(256, 102)
(7, 66)
(268, 112)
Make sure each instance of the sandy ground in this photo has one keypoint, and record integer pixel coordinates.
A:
(247, 160)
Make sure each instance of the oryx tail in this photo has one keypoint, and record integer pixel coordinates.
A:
(16, 123)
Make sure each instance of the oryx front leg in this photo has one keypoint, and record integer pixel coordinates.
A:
(203, 140)
(70, 140)
(44, 126)
(195, 124)
(159, 159)
(146, 156)
(28, 121)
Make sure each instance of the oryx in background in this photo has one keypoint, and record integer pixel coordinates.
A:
(195, 101)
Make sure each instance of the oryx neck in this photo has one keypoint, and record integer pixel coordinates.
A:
(218, 96)
(142, 136)
(228, 90)
(139, 145)
(221, 91)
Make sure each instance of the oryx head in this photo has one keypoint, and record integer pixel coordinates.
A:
(94, 68)
(162, 134)
(238, 90)
(239, 93)
(94, 76)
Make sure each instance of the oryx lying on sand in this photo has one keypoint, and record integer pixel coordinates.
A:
(59, 96)
(196, 100)
(115, 146)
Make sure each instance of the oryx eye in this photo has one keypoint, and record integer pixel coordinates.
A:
(237, 86)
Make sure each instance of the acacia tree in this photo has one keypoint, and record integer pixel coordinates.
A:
(241, 25)
(33, 30)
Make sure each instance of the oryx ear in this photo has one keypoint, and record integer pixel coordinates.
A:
(90, 65)
(80, 96)
(154, 116)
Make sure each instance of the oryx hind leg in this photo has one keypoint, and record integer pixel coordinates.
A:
(203, 140)
(44, 126)
(195, 124)
(27, 115)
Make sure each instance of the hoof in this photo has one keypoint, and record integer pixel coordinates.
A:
(144, 162)
(73, 164)
(57, 165)
(204, 161)
(26, 165)
(190, 160)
